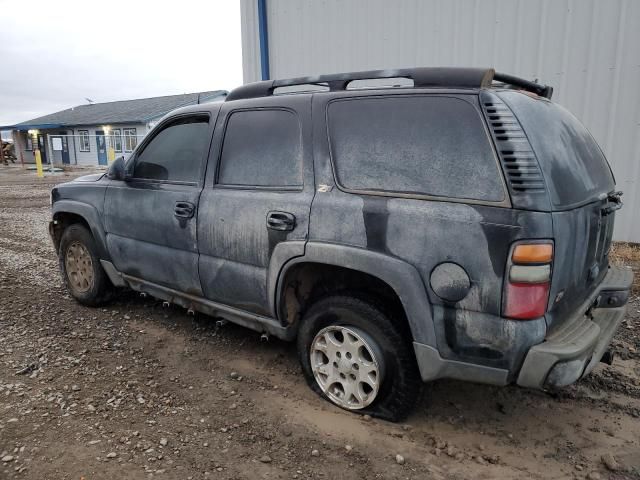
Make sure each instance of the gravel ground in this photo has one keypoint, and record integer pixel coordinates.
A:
(135, 390)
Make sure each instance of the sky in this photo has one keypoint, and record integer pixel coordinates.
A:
(55, 54)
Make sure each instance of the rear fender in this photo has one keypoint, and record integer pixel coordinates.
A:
(402, 277)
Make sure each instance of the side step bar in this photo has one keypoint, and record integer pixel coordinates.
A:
(256, 322)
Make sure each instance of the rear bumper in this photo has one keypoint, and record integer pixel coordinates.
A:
(574, 349)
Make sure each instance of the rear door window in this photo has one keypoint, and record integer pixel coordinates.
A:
(426, 145)
(262, 148)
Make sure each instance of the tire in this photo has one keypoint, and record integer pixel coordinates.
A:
(356, 317)
(80, 265)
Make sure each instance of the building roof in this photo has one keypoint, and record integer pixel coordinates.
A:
(124, 111)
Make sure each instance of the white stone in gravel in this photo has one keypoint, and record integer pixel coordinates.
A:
(399, 459)
(112, 455)
(315, 453)
(7, 458)
(163, 442)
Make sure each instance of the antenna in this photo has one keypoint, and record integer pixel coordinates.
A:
(89, 100)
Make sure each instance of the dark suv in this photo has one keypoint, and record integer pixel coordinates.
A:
(456, 224)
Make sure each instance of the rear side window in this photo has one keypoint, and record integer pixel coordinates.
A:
(176, 153)
(573, 165)
(262, 148)
(427, 145)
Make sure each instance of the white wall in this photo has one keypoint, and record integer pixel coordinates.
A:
(588, 50)
(76, 157)
(91, 157)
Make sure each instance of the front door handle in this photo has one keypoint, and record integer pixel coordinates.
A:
(283, 221)
(184, 209)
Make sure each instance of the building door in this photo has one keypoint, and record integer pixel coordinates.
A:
(42, 146)
(101, 146)
(59, 144)
(65, 150)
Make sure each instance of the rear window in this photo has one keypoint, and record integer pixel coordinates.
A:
(573, 165)
(427, 145)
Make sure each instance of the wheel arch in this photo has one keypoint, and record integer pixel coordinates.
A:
(387, 274)
(68, 212)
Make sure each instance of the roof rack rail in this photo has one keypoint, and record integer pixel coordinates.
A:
(421, 76)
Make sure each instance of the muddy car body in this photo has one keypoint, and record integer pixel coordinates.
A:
(458, 228)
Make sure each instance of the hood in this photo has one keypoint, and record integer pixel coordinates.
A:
(94, 177)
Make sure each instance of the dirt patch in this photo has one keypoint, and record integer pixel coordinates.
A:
(138, 391)
(627, 254)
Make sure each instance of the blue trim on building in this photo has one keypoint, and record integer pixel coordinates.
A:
(34, 126)
(264, 39)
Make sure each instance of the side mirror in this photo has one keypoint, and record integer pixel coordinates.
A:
(117, 169)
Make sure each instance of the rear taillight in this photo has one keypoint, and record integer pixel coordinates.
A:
(528, 279)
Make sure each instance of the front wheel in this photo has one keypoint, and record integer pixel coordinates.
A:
(83, 274)
(359, 357)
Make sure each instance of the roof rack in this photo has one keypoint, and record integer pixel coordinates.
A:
(422, 77)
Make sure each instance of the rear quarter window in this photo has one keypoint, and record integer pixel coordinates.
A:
(574, 167)
(426, 145)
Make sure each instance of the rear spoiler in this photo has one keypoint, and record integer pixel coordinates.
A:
(545, 91)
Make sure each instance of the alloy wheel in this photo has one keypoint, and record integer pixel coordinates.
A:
(347, 365)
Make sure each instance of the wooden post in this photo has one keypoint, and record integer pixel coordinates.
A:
(2, 160)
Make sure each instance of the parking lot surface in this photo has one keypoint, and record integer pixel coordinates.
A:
(136, 390)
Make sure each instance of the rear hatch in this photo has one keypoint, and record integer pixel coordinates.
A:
(582, 195)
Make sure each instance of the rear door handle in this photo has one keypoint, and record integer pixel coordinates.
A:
(283, 221)
(184, 209)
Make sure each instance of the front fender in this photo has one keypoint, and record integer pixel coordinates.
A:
(401, 276)
(90, 214)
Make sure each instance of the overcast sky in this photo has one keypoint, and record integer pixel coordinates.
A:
(53, 54)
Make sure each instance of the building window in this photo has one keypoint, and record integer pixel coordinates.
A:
(130, 139)
(116, 140)
(29, 142)
(85, 146)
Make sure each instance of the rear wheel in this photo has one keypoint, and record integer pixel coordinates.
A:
(80, 265)
(358, 357)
